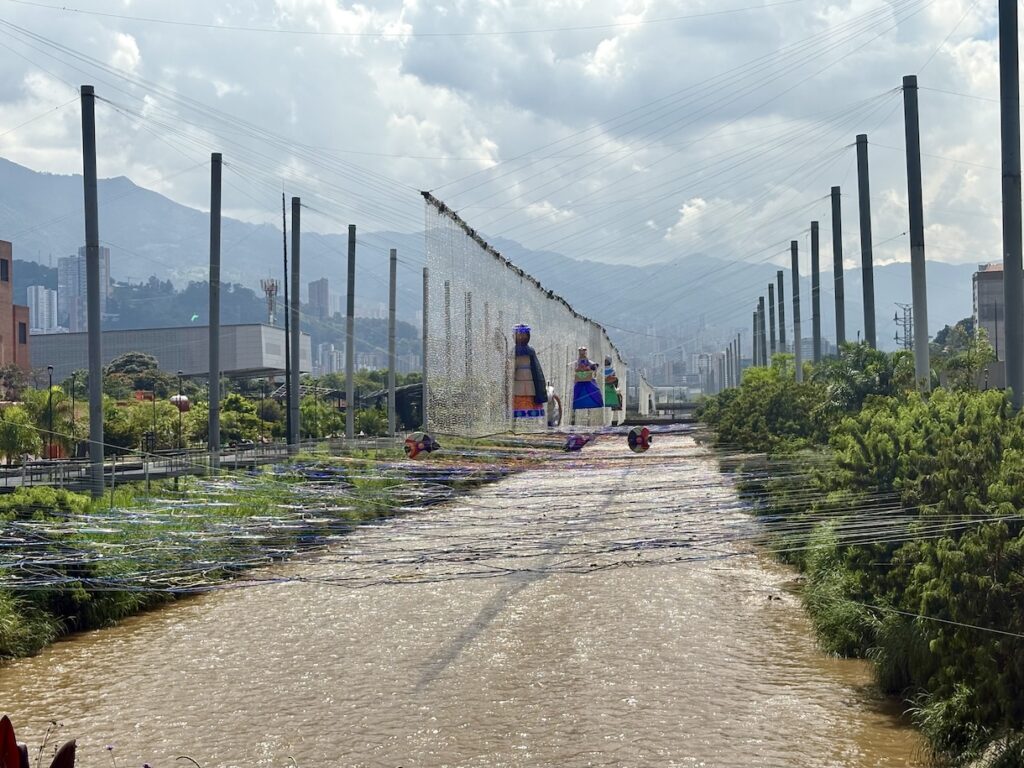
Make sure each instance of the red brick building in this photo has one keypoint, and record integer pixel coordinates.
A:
(13, 318)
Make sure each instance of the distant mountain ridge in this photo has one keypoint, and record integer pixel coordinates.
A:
(694, 299)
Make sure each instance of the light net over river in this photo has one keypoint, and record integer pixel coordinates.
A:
(604, 609)
(476, 299)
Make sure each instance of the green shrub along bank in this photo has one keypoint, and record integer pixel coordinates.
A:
(907, 524)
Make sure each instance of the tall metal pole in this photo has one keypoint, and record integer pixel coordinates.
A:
(755, 352)
(392, 293)
(423, 348)
(49, 408)
(295, 329)
(350, 338)
(288, 392)
(771, 317)
(837, 266)
(797, 352)
(214, 327)
(815, 294)
(739, 361)
(780, 285)
(922, 365)
(92, 281)
(762, 339)
(866, 256)
(1013, 274)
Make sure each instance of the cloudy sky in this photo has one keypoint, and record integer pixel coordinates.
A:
(627, 131)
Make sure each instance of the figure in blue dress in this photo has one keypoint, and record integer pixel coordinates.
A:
(585, 392)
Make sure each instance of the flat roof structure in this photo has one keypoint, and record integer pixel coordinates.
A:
(247, 351)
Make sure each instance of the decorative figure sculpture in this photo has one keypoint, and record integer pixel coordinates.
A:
(612, 398)
(529, 389)
(585, 393)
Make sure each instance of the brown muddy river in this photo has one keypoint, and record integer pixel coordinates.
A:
(589, 613)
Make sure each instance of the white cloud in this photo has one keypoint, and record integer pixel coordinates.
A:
(124, 53)
(640, 142)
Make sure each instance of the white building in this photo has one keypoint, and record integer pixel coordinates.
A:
(72, 289)
(42, 309)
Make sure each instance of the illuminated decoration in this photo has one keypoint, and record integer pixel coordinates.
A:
(639, 439)
(585, 393)
(529, 389)
(181, 402)
(612, 396)
(420, 442)
(575, 442)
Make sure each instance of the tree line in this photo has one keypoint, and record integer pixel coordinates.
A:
(932, 589)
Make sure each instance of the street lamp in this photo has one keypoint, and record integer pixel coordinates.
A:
(180, 445)
(49, 407)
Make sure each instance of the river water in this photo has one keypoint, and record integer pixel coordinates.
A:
(600, 611)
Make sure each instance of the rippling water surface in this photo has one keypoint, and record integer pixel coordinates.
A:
(592, 612)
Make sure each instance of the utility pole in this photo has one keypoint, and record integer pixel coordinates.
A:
(213, 438)
(739, 361)
(1013, 275)
(287, 330)
(392, 293)
(866, 257)
(762, 339)
(754, 357)
(728, 365)
(293, 310)
(779, 279)
(922, 364)
(350, 338)
(837, 266)
(797, 352)
(771, 317)
(423, 346)
(815, 295)
(92, 280)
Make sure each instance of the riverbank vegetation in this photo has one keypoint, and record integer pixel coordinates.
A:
(904, 512)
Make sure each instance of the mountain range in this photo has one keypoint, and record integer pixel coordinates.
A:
(694, 300)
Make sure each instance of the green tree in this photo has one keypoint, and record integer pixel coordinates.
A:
(18, 435)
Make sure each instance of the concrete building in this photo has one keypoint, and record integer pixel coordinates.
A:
(42, 309)
(329, 359)
(320, 299)
(989, 305)
(72, 288)
(247, 351)
(14, 346)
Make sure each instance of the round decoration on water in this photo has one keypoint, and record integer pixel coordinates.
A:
(639, 439)
(420, 442)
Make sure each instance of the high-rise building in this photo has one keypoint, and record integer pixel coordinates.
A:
(42, 309)
(990, 306)
(72, 289)
(320, 298)
(13, 319)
